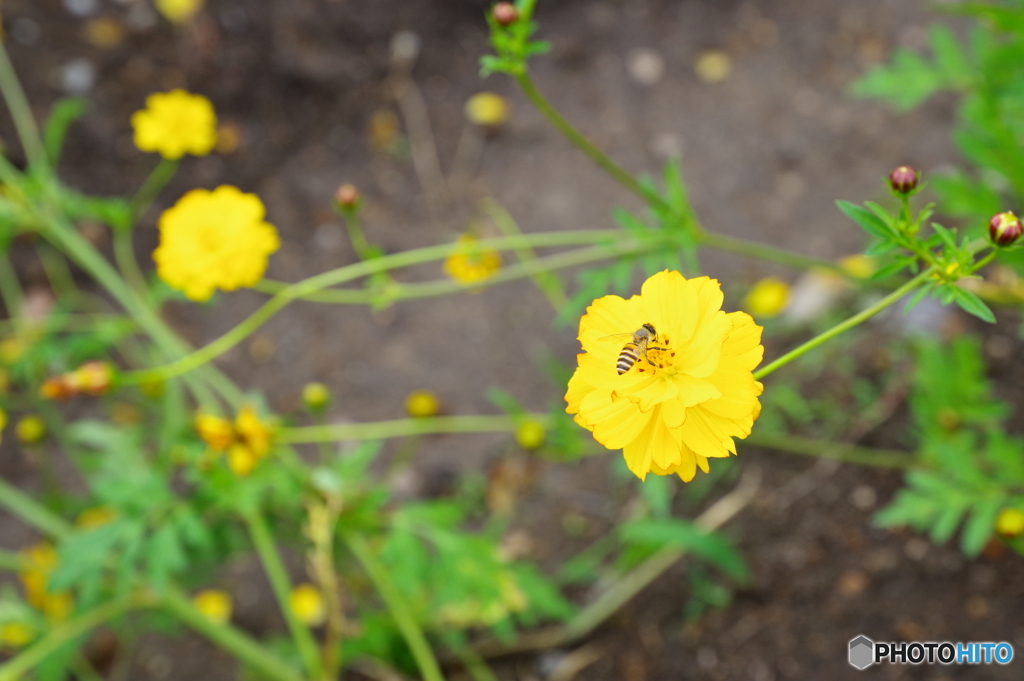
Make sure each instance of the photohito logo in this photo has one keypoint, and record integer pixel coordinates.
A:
(864, 652)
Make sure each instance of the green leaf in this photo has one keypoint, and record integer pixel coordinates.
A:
(906, 82)
(889, 270)
(867, 220)
(949, 58)
(65, 112)
(980, 526)
(972, 304)
(711, 547)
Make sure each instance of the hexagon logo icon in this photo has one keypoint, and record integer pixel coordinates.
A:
(862, 652)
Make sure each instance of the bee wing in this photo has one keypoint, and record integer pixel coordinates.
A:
(616, 336)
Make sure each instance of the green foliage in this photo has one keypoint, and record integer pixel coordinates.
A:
(970, 468)
(711, 547)
(513, 44)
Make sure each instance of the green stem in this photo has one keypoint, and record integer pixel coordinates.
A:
(355, 234)
(32, 512)
(150, 189)
(263, 540)
(380, 430)
(331, 278)
(867, 456)
(545, 281)
(395, 292)
(586, 146)
(10, 291)
(844, 326)
(124, 255)
(21, 112)
(249, 651)
(399, 609)
(763, 252)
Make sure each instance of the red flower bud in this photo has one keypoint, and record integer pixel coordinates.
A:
(1005, 228)
(903, 179)
(56, 388)
(347, 196)
(93, 378)
(505, 13)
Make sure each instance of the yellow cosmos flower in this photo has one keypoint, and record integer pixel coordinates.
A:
(1010, 522)
(767, 298)
(176, 123)
(214, 604)
(308, 605)
(178, 11)
(422, 403)
(487, 109)
(39, 561)
(692, 393)
(211, 240)
(469, 263)
(246, 441)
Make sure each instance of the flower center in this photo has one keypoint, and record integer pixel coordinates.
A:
(660, 357)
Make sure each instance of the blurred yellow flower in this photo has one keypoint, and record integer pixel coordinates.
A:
(39, 560)
(712, 66)
(469, 263)
(530, 434)
(487, 109)
(316, 396)
(308, 605)
(471, 611)
(1010, 522)
(211, 240)
(422, 403)
(178, 11)
(15, 634)
(767, 298)
(30, 429)
(214, 604)
(691, 394)
(176, 123)
(95, 516)
(859, 265)
(246, 441)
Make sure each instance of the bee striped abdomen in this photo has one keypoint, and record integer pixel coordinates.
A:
(627, 358)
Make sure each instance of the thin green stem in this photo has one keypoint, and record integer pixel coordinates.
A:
(764, 252)
(32, 512)
(380, 430)
(21, 112)
(10, 291)
(251, 652)
(124, 255)
(65, 632)
(545, 281)
(355, 234)
(866, 456)
(586, 146)
(331, 278)
(846, 325)
(398, 608)
(151, 188)
(266, 549)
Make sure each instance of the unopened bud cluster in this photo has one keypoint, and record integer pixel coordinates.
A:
(1005, 228)
(92, 379)
(347, 197)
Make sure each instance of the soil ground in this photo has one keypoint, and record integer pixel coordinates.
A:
(765, 153)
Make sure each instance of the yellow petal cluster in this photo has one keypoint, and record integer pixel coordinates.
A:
(692, 393)
(246, 441)
(214, 239)
(469, 263)
(176, 123)
(39, 561)
(178, 11)
(767, 298)
(214, 604)
(307, 603)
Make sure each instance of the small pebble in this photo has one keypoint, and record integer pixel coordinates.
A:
(78, 76)
(646, 66)
(81, 8)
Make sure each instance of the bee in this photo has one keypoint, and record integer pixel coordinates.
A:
(636, 347)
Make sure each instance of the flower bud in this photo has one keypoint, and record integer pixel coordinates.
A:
(316, 396)
(93, 378)
(1005, 228)
(30, 429)
(214, 604)
(308, 605)
(1010, 522)
(505, 13)
(422, 403)
(57, 388)
(347, 197)
(903, 179)
(530, 434)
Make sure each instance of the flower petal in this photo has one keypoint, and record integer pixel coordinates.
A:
(667, 304)
(706, 434)
(700, 357)
(606, 317)
(615, 423)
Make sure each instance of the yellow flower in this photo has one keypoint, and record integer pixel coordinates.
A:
(1010, 522)
(859, 265)
(176, 123)
(530, 434)
(246, 441)
(39, 561)
(308, 605)
(693, 392)
(422, 403)
(255, 434)
(214, 604)
(15, 634)
(212, 240)
(95, 516)
(215, 431)
(316, 397)
(178, 11)
(767, 298)
(241, 460)
(469, 263)
(487, 109)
